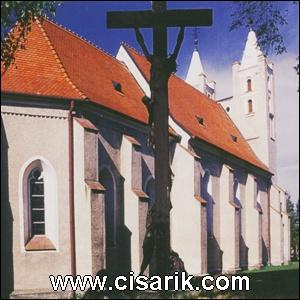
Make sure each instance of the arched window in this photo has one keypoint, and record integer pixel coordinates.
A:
(149, 188)
(250, 106)
(38, 191)
(236, 192)
(206, 193)
(36, 202)
(258, 195)
(249, 85)
(107, 181)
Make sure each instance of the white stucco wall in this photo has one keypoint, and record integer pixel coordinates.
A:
(227, 223)
(37, 132)
(276, 227)
(82, 207)
(185, 214)
(131, 204)
(252, 235)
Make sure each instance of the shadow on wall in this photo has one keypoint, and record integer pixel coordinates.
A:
(265, 257)
(214, 253)
(214, 256)
(243, 254)
(118, 236)
(7, 275)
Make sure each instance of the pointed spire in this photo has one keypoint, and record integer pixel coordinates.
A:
(195, 68)
(251, 51)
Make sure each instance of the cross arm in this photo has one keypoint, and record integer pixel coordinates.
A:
(178, 43)
(169, 18)
(140, 39)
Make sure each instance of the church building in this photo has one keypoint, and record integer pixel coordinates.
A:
(77, 175)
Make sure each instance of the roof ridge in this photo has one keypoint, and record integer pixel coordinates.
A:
(68, 79)
(123, 43)
(90, 43)
(174, 75)
(196, 90)
(214, 102)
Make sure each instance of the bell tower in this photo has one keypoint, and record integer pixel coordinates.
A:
(252, 106)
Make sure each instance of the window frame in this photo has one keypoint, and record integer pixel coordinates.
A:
(250, 105)
(50, 239)
(30, 209)
(249, 85)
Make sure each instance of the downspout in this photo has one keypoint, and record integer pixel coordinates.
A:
(71, 189)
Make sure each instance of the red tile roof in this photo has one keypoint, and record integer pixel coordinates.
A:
(187, 103)
(57, 63)
(38, 70)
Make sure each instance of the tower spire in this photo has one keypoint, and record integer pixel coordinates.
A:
(196, 76)
(252, 50)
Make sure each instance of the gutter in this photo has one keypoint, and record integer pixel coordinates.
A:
(71, 188)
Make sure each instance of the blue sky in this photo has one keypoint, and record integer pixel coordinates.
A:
(88, 18)
(219, 48)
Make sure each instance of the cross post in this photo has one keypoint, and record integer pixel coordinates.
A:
(162, 66)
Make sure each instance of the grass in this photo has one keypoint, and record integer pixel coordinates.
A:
(291, 266)
(273, 282)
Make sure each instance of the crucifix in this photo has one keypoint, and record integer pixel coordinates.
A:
(162, 66)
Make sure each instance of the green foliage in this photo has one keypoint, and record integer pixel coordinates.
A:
(265, 18)
(293, 211)
(22, 12)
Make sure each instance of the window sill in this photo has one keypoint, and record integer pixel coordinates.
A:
(39, 243)
(235, 205)
(200, 199)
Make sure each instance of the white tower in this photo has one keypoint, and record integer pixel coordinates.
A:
(252, 105)
(196, 76)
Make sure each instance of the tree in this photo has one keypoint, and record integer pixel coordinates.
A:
(265, 18)
(293, 211)
(22, 13)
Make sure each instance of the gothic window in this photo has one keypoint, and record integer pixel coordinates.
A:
(249, 85)
(39, 206)
(37, 203)
(257, 195)
(236, 192)
(206, 193)
(107, 181)
(250, 106)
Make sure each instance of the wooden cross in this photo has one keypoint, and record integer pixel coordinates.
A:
(162, 66)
